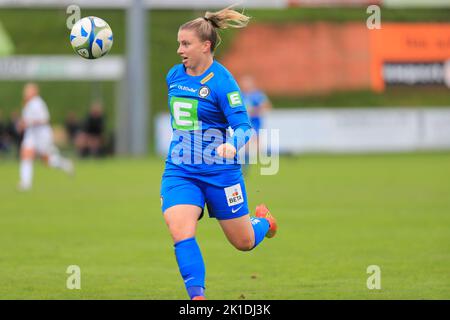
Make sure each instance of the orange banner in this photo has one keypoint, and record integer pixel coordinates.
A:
(408, 43)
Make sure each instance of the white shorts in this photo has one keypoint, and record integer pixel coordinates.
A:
(40, 139)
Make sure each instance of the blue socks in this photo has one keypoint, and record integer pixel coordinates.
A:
(190, 260)
(191, 265)
(260, 228)
(195, 292)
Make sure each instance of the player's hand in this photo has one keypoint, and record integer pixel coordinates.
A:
(226, 150)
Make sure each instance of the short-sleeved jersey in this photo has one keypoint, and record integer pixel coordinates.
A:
(199, 108)
(35, 111)
(254, 99)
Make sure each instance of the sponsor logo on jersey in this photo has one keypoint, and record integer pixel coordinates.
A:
(204, 92)
(234, 195)
(184, 113)
(185, 88)
(234, 99)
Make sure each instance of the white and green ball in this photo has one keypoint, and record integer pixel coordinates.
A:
(91, 37)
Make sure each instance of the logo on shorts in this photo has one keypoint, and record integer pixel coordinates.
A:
(161, 198)
(234, 195)
(203, 92)
(234, 210)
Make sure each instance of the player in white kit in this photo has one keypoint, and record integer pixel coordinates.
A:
(38, 138)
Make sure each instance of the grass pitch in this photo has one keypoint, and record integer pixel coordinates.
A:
(337, 215)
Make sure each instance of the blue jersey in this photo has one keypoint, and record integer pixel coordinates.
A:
(202, 108)
(254, 100)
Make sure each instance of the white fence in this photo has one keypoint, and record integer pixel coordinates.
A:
(348, 130)
(61, 67)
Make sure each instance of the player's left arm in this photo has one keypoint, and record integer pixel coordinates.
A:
(232, 105)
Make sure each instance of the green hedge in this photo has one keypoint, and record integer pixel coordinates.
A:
(39, 31)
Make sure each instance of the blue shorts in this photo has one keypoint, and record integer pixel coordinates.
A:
(223, 203)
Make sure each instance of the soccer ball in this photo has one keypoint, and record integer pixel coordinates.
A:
(91, 37)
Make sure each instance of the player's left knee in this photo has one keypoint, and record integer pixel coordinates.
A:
(245, 244)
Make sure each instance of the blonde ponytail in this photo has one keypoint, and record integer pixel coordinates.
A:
(227, 18)
(206, 27)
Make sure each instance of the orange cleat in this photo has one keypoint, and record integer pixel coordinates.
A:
(199, 298)
(263, 212)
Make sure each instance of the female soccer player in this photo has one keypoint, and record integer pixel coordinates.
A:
(38, 138)
(202, 167)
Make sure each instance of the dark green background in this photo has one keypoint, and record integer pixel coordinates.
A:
(38, 31)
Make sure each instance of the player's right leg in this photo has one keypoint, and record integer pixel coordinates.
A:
(182, 221)
(27, 154)
(182, 204)
(26, 166)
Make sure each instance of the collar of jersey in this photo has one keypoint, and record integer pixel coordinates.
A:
(203, 74)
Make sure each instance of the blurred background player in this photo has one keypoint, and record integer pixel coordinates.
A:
(13, 131)
(90, 141)
(38, 138)
(255, 100)
(257, 105)
(10, 136)
(3, 135)
(72, 126)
